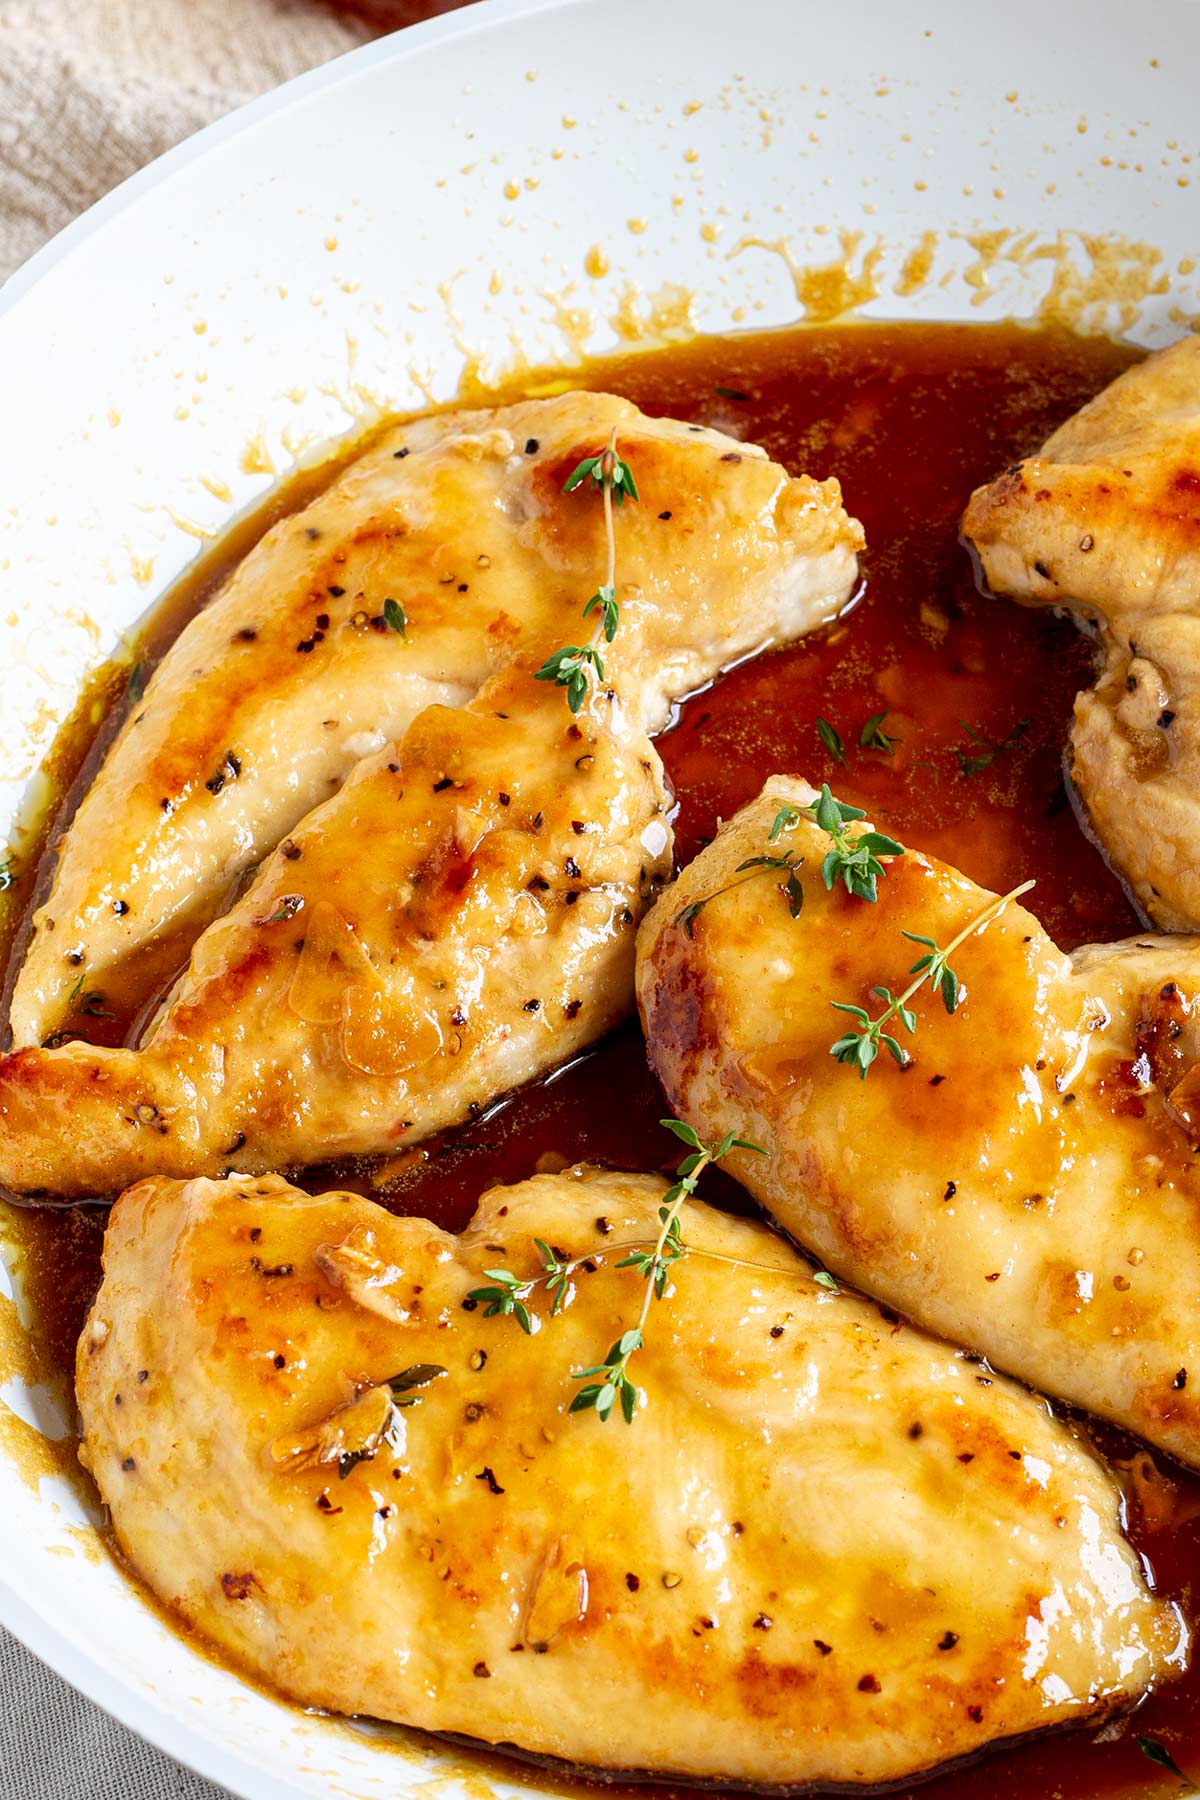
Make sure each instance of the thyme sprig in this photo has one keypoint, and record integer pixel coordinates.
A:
(860, 1045)
(990, 748)
(853, 861)
(570, 667)
(1161, 1757)
(654, 1266)
(399, 1386)
(608, 1383)
(90, 1005)
(831, 738)
(874, 737)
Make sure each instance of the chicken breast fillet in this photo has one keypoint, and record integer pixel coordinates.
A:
(459, 918)
(1106, 520)
(1026, 1185)
(827, 1549)
(290, 676)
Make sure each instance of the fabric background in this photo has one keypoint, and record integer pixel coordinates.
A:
(89, 91)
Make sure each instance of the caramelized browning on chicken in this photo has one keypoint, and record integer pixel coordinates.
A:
(456, 920)
(828, 1549)
(1106, 520)
(292, 674)
(1026, 1184)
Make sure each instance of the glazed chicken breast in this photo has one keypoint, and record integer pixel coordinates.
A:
(1106, 520)
(1027, 1183)
(826, 1549)
(293, 674)
(457, 919)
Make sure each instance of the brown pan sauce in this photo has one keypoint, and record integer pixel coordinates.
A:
(977, 694)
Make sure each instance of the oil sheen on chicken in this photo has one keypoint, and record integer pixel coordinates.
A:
(1027, 1184)
(1105, 519)
(292, 674)
(458, 916)
(828, 1547)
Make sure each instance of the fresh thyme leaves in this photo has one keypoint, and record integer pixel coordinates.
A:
(289, 906)
(607, 471)
(989, 748)
(824, 1279)
(400, 1388)
(605, 600)
(831, 737)
(90, 1005)
(785, 819)
(608, 1384)
(8, 873)
(874, 737)
(942, 978)
(859, 1046)
(852, 861)
(688, 916)
(728, 393)
(395, 617)
(569, 667)
(1158, 1754)
(614, 1385)
(508, 1297)
(791, 887)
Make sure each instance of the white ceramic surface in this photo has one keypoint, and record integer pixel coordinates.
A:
(448, 195)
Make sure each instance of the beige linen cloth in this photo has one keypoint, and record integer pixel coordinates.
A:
(89, 91)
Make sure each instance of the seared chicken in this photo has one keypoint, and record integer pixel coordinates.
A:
(1106, 520)
(827, 1549)
(292, 674)
(457, 919)
(1027, 1184)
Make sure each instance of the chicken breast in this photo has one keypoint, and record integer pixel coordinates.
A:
(1106, 521)
(291, 675)
(458, 919)
(1027, 1184)
(827, 1549)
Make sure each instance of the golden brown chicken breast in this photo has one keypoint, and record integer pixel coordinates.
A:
(456, 526)
(828, 1547)
(1019, 1174)
(456, 920)
(1106, 520)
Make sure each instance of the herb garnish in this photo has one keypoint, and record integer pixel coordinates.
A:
(569, 667)
(8, 873)
(608, 1383)
(395, 617)
(990, 748)
(831, 737)
(135, 687)
(1156, 1753)
(91, 1005)
(874, 737)
(860, 1045)
(728, 393)
(854, 861)
(419, 1375)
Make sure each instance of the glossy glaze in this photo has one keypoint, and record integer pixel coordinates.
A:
(408, 953)
(911, 419)
(826, 1548)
